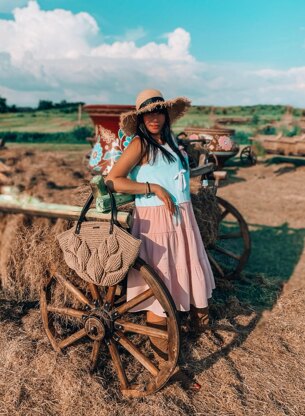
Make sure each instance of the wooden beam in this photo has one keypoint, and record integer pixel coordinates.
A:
(16, 205)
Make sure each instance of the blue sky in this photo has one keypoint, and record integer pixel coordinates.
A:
(268, 32)
(219, 52)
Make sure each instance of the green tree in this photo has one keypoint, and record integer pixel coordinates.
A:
(3, 106)
(45, 105)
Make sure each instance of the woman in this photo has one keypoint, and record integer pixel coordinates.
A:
(156, 171)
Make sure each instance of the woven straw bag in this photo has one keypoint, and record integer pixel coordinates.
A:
(99, 252)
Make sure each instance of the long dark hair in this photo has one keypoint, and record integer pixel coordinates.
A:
(150, 146)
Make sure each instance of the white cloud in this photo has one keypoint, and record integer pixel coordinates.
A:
(132, 35)
(58, 55)
(46, 34)
(7, 6)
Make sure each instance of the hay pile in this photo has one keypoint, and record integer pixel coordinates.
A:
(49, 176)
(28, 252)
(28, 245)
(207, 213)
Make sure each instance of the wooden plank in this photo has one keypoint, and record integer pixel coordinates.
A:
(13, 205)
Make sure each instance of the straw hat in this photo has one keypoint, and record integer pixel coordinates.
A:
(148, 100)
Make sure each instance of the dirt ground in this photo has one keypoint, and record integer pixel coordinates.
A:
(251, 361)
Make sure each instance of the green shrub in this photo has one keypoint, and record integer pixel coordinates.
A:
(255, 119)
(81, 133)
(297, 112)
(241, 137)
(293, 132)
(268, 130)
(77, 136)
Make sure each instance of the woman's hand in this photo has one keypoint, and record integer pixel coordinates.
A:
(162, 194)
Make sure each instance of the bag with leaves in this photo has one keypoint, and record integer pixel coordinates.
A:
(99, 252)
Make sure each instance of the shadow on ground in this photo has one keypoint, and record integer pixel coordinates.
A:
(291, 164)
(237, 305)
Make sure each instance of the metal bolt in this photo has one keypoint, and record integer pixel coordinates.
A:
(116, 337)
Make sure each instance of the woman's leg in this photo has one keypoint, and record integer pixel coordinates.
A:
(199, 318)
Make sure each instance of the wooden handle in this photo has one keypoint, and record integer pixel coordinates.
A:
(219, 175)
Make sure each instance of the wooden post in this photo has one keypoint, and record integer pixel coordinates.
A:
(79, 114)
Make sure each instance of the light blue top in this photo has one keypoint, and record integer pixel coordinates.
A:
(171, 176)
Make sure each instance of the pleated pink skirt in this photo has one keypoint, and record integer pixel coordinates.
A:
(174, 248)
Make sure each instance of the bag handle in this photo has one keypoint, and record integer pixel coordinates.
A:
(85, 209)
(114, 211)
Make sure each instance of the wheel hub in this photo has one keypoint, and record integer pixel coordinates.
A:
(95, 328)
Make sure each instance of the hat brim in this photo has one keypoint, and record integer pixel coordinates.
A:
(176, 108)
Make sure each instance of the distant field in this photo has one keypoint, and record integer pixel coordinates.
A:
(49, 121)
(246, 121)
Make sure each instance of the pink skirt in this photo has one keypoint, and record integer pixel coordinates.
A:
(174, 249)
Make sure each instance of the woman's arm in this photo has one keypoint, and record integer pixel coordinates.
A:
(117, 179)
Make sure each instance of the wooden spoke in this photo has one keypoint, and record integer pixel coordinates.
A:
(226, 252)
(72, 338)
(224, 214)
(74, 313)
(135, 301)
(109, 298)
(95, 292)
(142, 329)
(73, 289)
(120, 300)
(230, 235)
(86, 323)
(45, 319)
(95, 353)
(137, 354)
(215, 264)
(118, 364)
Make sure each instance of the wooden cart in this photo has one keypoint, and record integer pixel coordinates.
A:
(229, 254)
(100, 321)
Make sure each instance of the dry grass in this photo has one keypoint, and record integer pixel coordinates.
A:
(251, 361)
(244, 368)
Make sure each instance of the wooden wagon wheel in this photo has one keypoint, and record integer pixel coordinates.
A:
(229, 254)
(247, 156)
(102, 320)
